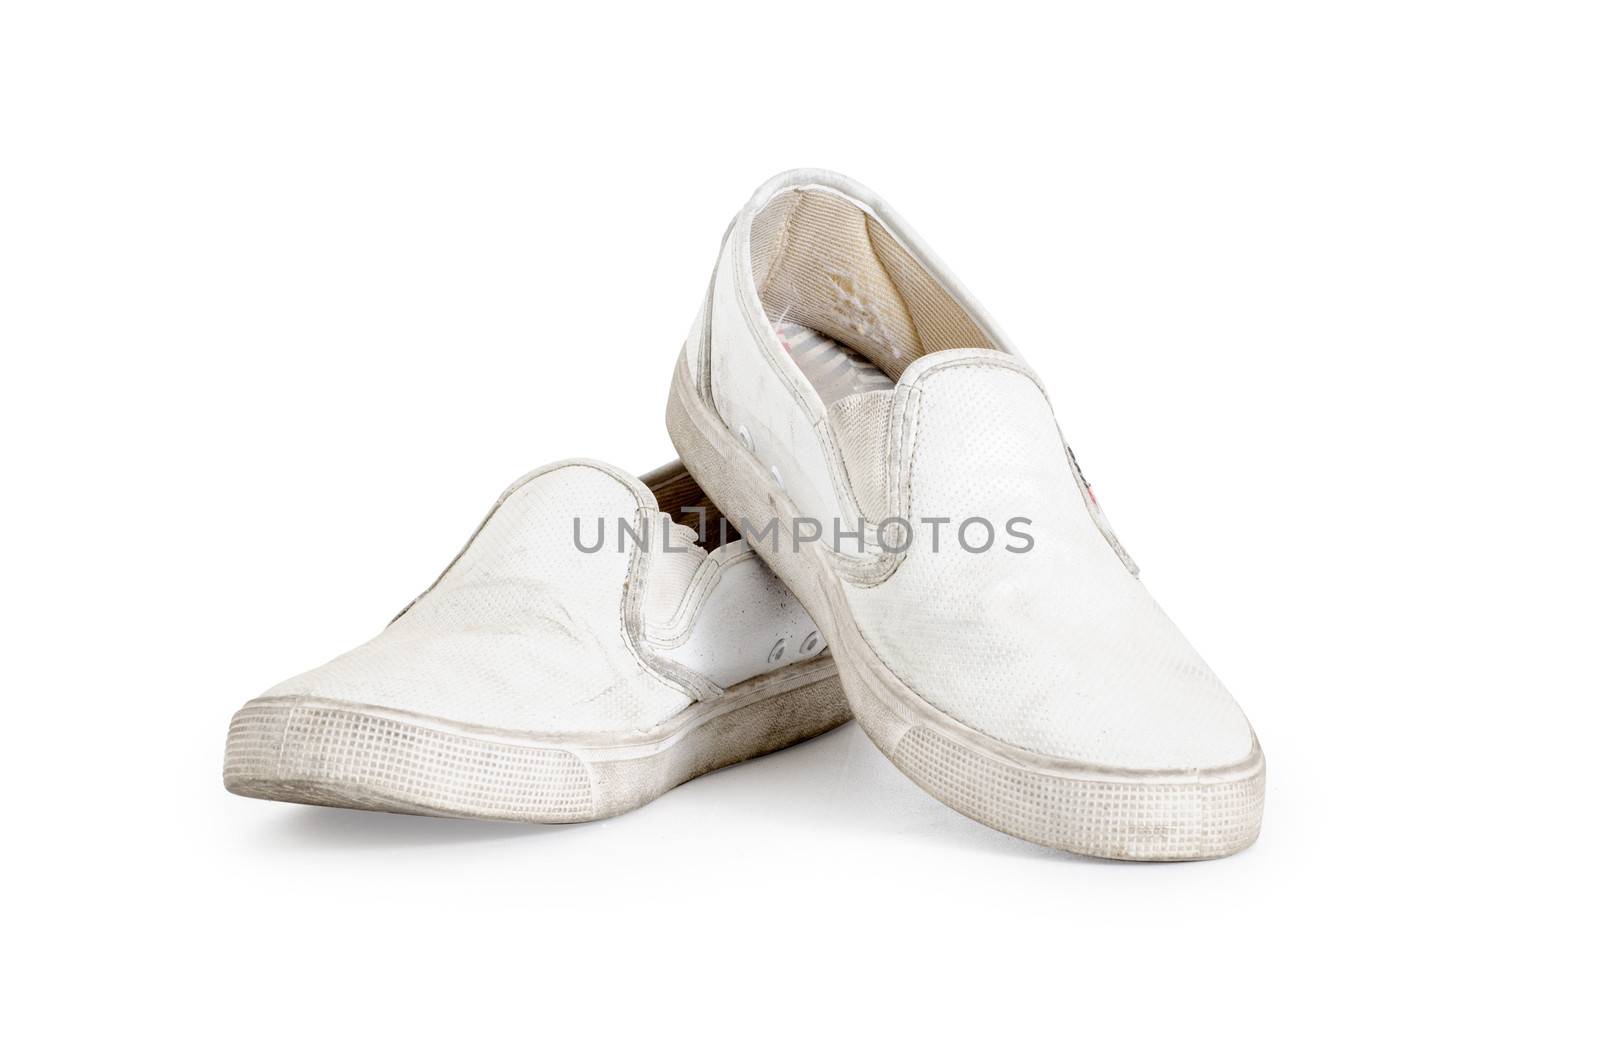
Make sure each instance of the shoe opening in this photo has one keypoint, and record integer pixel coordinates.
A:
(848, 301)
(681, 499)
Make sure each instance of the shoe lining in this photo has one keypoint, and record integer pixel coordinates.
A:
(825, 264)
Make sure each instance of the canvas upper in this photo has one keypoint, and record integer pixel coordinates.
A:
(878, 394)
(528, 631)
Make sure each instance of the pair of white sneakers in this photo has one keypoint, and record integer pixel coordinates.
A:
(875, 515)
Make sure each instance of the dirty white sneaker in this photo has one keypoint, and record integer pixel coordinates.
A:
(582, 655)
(900, 467)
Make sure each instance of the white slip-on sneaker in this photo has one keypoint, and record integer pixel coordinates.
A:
(899, 466)
(579, 657)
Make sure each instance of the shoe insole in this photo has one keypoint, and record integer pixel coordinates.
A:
(836, 370)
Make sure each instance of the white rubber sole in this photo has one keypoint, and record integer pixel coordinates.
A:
(327, 753)
(1136, 815)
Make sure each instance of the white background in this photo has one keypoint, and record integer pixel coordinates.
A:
(289, 292)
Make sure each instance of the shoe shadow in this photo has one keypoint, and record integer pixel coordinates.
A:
(841, 782)
(331, 828)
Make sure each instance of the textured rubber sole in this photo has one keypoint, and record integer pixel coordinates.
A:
(325, 753)
(1135, 815)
